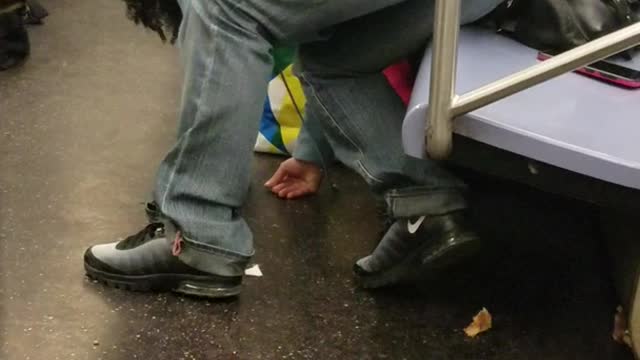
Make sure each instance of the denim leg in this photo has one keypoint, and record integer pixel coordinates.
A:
(203, 181)
(312, 145)
(362, 115)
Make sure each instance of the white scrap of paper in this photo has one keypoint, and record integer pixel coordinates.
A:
(253, 271)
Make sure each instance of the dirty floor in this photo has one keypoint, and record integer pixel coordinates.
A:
(83, 125)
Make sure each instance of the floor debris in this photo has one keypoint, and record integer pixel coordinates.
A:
(481, 323)
(253, 271)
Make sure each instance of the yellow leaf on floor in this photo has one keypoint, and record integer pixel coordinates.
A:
(480, 324)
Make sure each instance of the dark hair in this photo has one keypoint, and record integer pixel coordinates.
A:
(161, 16)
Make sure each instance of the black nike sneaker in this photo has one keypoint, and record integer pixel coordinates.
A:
(148, 261)
(413, 248)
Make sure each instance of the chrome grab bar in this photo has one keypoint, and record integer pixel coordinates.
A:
(445, 105)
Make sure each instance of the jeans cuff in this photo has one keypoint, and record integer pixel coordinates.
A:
(205, 257)
(418, 201)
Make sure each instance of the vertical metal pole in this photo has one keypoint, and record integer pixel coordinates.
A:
(446, 25)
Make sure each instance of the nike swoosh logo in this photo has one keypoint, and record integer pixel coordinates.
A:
(416, 225)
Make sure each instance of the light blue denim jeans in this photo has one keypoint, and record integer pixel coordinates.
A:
(344, 44)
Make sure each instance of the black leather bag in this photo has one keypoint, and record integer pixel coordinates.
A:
(563, 24)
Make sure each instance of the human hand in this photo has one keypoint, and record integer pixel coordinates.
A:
(294, 179)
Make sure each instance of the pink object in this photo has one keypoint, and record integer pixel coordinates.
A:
(401, 78)
(599, 75)
(177, 244)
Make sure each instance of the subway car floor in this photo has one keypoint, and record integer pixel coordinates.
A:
(83, 125)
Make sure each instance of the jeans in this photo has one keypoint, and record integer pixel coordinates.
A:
(344, 44)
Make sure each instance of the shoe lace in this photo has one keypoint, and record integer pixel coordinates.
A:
(151, 231)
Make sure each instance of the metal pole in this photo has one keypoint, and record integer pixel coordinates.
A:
(443, 77)
(558, 65)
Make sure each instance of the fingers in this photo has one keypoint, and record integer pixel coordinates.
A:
(286, 189)
(294, 191)
(284, 193)
(277, 177)
(278, 187)
(294, 194)
(294, 179)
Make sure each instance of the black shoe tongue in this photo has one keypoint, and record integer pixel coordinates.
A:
(150, 232)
